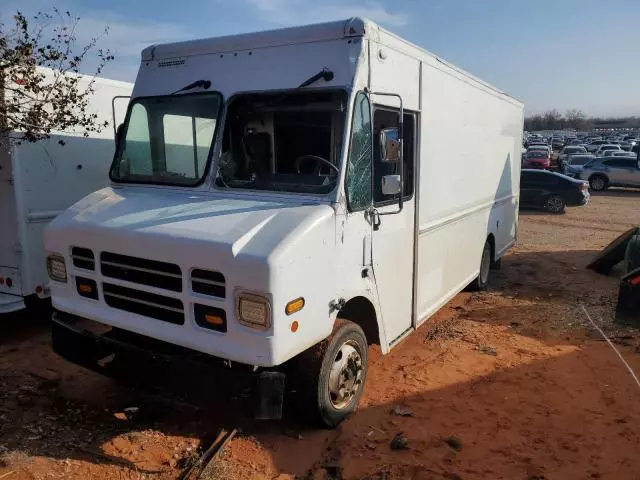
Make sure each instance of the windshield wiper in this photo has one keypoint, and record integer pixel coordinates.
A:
(197, 84)
(325, 74)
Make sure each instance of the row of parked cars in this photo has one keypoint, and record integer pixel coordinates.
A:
(558, 172)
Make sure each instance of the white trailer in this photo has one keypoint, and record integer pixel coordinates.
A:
(286, 198)
(40, 180)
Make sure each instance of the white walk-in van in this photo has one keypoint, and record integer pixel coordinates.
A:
(40, 180)
(282, 200)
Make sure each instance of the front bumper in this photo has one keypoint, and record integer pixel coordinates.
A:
(113, 352)
(578, 200)
(88, 344)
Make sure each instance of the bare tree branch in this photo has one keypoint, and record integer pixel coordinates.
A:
(33, 104)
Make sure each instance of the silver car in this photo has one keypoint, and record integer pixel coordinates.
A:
(575, 163)
(570, 150)
(603, 148)
(606, 172)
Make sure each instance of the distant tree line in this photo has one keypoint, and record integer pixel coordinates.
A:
(576, 119)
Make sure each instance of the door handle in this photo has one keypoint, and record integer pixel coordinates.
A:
(374, 218)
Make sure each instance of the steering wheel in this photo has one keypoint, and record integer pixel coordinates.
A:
(319, 161)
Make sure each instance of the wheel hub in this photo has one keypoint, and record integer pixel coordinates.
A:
(555, 204)
(345, 378)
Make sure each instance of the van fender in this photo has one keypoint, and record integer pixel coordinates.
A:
(358, 305)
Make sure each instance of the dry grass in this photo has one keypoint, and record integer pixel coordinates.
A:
(444, 331)
(14, 459)
(221, 469)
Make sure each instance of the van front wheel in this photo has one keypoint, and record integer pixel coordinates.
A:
(335, 371)
(482, 280)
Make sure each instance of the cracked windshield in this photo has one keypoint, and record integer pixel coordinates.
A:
(283, 142)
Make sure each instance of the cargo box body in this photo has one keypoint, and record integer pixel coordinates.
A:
(40, 180)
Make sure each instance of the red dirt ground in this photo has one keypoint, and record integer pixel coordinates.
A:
(507, 384)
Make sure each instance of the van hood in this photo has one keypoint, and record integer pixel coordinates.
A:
(237, 226)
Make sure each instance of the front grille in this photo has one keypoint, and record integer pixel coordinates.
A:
(208, 282)
(83, 258)
(144, 303)
(141, 270)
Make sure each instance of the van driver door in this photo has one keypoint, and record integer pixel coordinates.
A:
(393, 222)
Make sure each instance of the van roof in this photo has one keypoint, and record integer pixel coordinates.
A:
(353, 27)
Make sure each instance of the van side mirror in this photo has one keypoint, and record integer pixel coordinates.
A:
(389, 145)
(391, 184)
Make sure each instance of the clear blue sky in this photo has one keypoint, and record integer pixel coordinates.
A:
(549, 53)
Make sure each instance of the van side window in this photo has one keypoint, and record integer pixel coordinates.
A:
(358, 183)
(136, 157)
(384, 117)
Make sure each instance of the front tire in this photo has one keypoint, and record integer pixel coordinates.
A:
(555, 204)
(486, 260)
(598, 183)
(334, 373)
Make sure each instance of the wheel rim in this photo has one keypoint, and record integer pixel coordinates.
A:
(345, 378)
(555, 204)
(485, 265)
(597, 183)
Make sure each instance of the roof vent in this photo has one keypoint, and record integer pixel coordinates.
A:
(171, 63)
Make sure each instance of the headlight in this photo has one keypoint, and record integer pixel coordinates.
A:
(253, 310)
(56, 268)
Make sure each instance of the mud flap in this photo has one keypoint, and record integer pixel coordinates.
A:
(628, 309)
(632, 257)
(268, 392)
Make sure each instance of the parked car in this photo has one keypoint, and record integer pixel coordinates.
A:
(623, 153)
(569, 150)
(537, 143)
(551, 191)
(607, 152)
(606, 147)
(537, 159)
(574, 163)
(607, 172)
(627, 144)
(595, 144)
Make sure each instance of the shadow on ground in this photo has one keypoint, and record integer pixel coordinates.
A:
(542, 419)
(23, 325)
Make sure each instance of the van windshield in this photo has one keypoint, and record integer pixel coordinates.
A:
(167, 139)
(287, 141)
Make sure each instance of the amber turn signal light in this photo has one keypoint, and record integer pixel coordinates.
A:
(294, 306)
(87, 288)
(213, 319)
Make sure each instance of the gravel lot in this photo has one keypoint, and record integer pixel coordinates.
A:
(510, 383)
